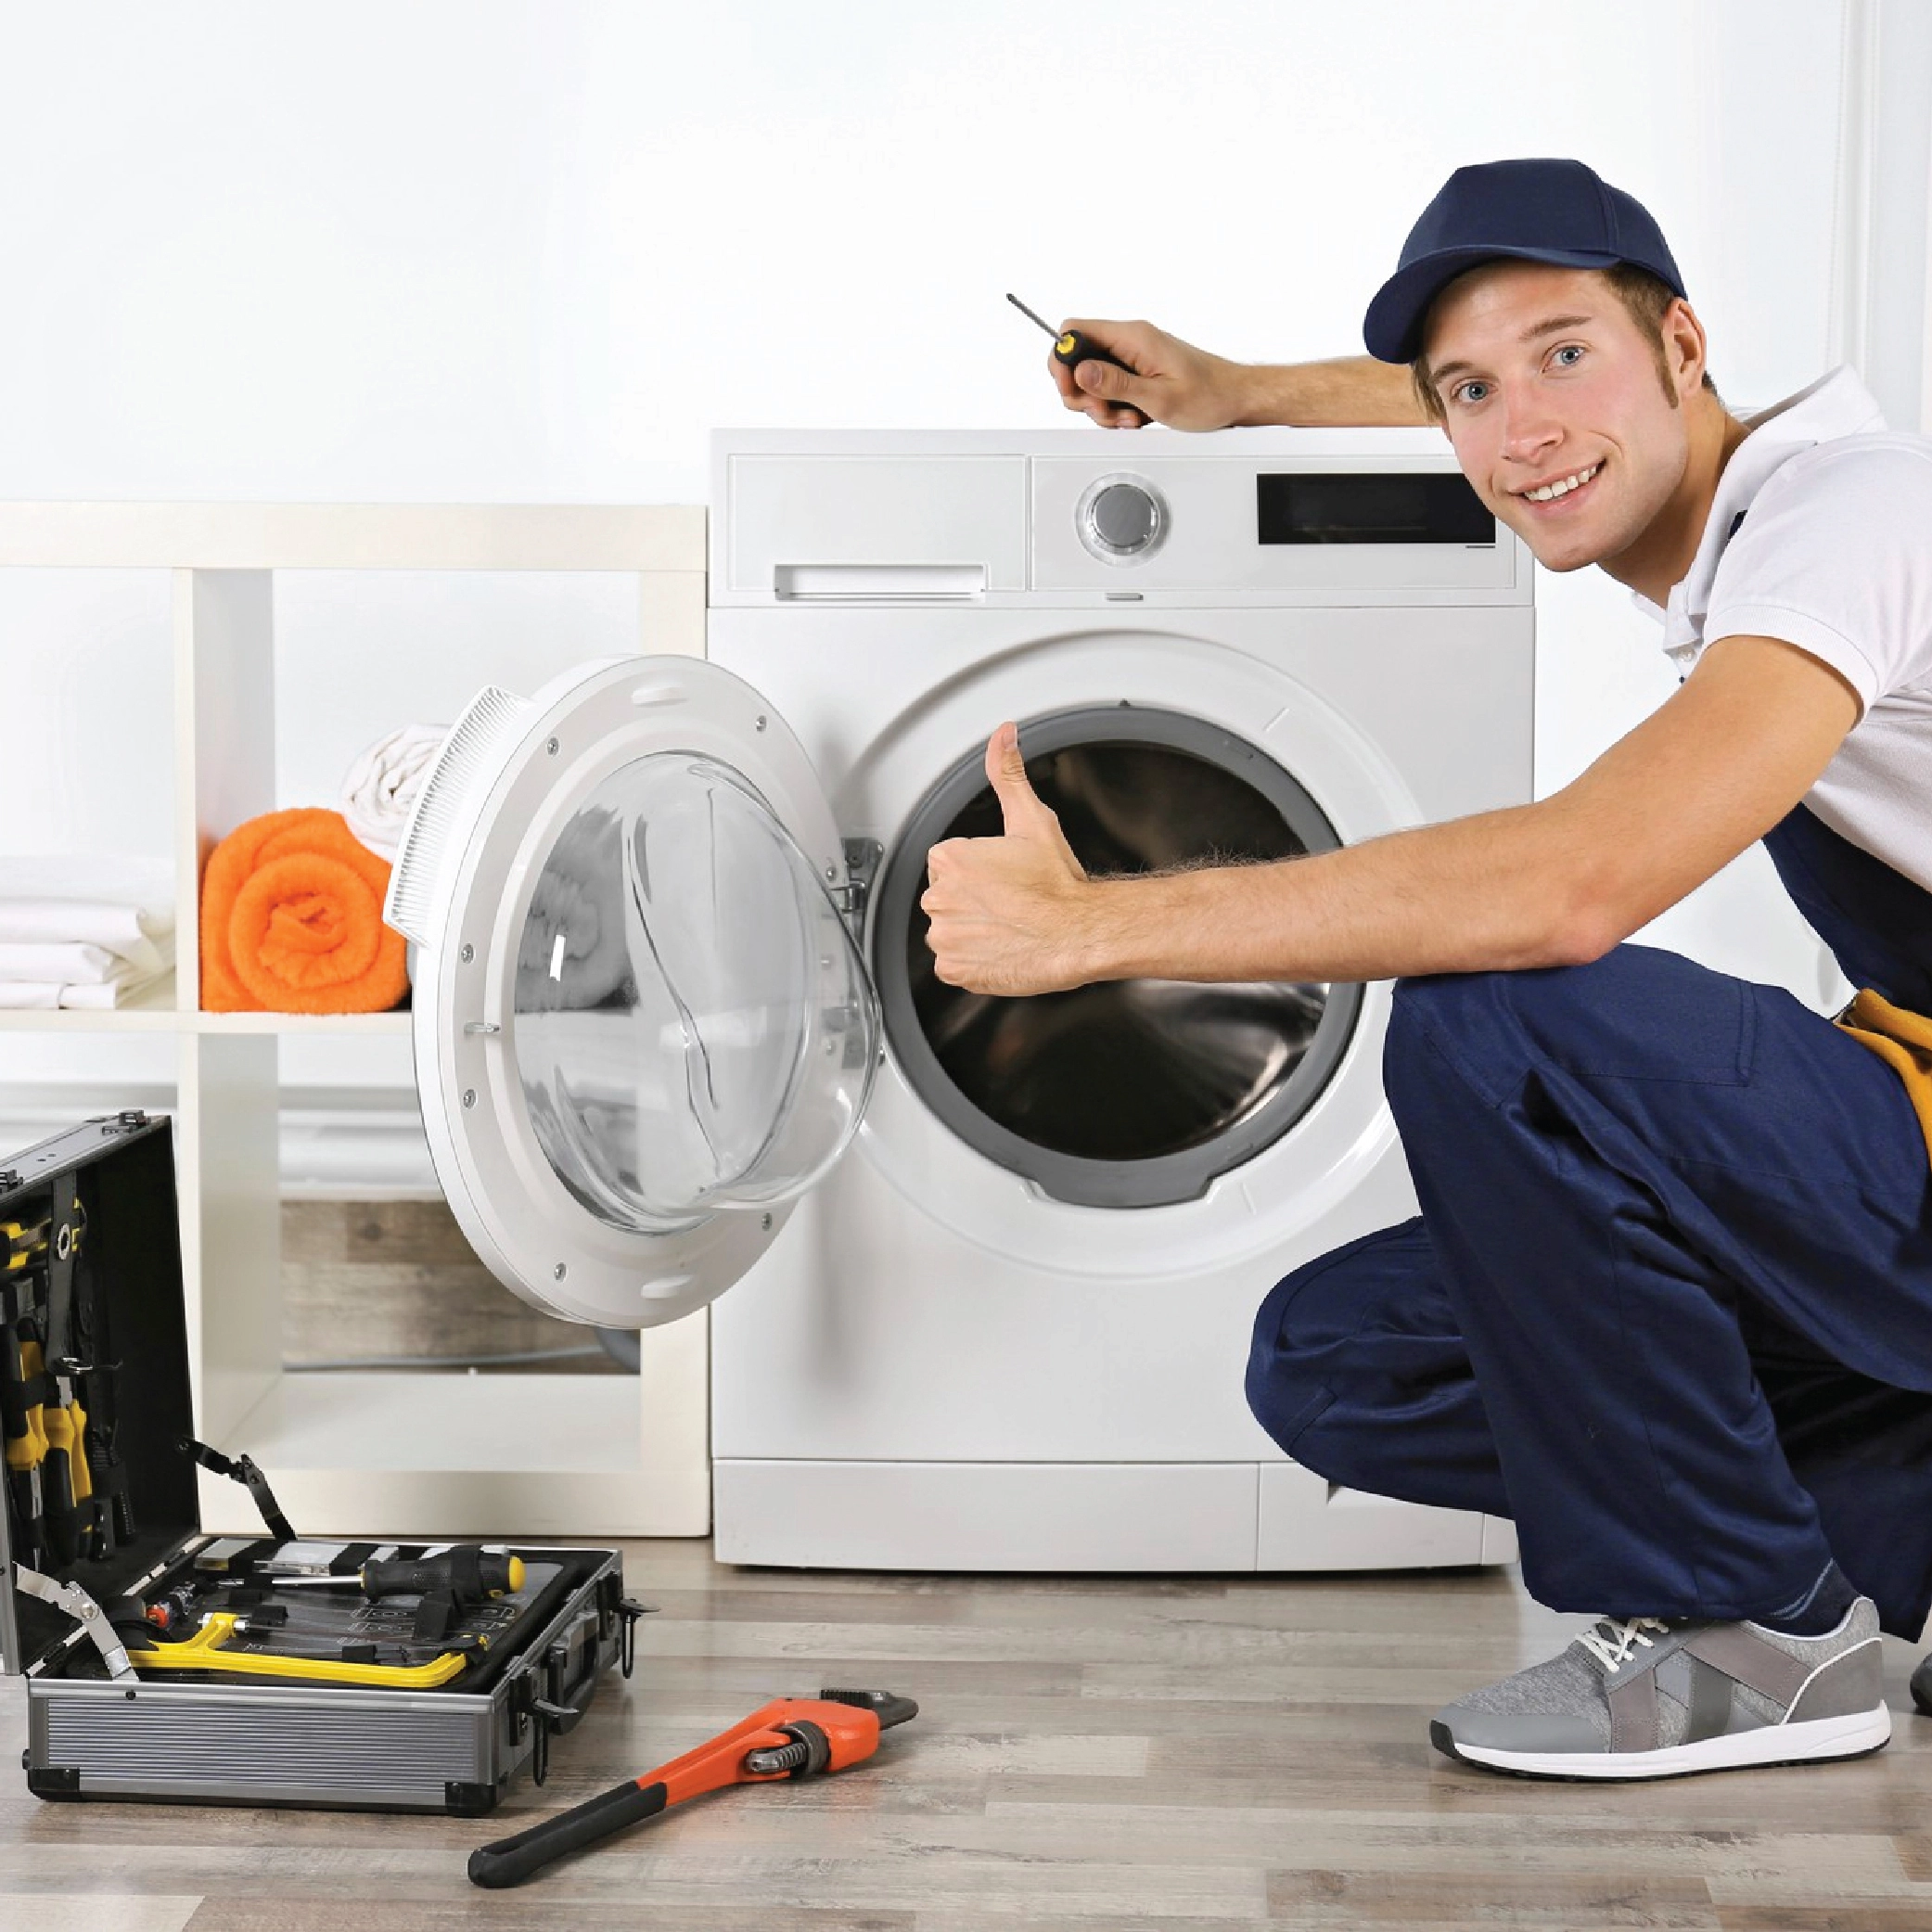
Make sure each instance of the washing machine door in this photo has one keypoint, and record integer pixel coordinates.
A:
(642, 1026)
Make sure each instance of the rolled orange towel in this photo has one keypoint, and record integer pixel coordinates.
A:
(291, 920)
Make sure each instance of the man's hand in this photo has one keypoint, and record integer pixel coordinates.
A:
(1172, 382)
(1006, 912)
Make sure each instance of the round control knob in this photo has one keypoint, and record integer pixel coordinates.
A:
(1124, 517)
(1121, 519)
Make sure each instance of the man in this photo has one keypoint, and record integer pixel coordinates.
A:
(1668, 1303)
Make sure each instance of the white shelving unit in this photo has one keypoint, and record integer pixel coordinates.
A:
(378, 1453)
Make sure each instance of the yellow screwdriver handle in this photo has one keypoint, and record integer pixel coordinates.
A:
(29, 1452)
(64, 1427)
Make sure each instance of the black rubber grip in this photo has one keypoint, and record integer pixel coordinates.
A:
(1080, 349)
(1074, 348)
(469, 1574)
(511, 1860)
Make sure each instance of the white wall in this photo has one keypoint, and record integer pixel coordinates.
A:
(470, 249)
(482, 250)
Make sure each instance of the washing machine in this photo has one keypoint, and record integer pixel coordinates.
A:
(992, 1264)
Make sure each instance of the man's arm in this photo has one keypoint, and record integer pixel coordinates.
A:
(1555, 883)
(1186, 387)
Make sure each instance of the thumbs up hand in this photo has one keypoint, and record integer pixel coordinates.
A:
(1008, 912)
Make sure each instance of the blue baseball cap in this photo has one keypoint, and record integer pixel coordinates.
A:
(1536, 211)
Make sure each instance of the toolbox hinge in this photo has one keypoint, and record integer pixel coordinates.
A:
(73, 1598)
(861, 857)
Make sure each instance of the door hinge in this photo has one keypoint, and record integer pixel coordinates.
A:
(861, 857)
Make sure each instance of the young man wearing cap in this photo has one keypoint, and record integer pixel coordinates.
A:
(1668, 1303)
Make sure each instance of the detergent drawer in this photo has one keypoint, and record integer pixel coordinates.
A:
(862, 529)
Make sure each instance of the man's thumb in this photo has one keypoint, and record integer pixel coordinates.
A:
(1006, 772)
(1107, 381)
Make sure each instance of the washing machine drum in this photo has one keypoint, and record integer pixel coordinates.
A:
(642, 1026)
(1135, 1093)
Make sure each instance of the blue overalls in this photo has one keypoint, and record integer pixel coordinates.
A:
(1668, 1303)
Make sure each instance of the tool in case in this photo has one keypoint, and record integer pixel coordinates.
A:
(165, 1664)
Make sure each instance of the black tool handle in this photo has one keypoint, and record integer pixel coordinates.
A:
(468, 1573)
(1074, 349)
(511, 1860)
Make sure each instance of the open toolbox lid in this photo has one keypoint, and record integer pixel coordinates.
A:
(643, 1027)
(112, 1181)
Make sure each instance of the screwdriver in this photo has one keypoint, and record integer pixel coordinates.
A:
(1071, 348)
(469, 1573)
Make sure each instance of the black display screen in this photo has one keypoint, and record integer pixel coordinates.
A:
(1358, 506)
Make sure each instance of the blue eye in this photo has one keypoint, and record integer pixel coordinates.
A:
(1469, 392)
(1570, 355)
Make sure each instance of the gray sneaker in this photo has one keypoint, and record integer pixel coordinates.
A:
(1651, 1699)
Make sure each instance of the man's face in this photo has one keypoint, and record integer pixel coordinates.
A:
(1552, 398)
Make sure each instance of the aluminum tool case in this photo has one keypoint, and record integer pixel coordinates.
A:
(93, 1735)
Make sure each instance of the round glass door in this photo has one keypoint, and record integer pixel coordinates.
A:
(692, 1024)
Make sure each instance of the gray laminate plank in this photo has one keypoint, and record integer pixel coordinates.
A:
(529, 1906)
(1328, 1898)
(95, 1911)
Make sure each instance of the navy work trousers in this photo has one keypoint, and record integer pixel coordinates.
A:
(1669, 1304)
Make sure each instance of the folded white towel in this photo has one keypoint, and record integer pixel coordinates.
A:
(60, 961)
(122, 905)
(105, 999)
(381, 785)
(75, 963)
(41, 995)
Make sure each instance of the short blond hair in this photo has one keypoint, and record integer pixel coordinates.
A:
(1647, 299)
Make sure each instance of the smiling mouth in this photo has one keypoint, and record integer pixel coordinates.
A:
(1557, 487)
(1560, 487)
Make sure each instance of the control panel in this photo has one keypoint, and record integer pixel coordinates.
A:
(1074, 518)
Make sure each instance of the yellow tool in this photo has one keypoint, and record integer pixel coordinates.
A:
(24, 1389)
(56, 1441)
(204, 1651)
(26, 1452)
(63, 1433)
(21, 1243)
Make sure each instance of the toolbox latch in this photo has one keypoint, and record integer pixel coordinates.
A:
(631, 1610)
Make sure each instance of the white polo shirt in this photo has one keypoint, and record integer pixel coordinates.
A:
(1821, 535)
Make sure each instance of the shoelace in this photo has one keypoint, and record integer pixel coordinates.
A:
(1612, 1643)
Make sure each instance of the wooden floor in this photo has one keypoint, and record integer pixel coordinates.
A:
(1118, 1753)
